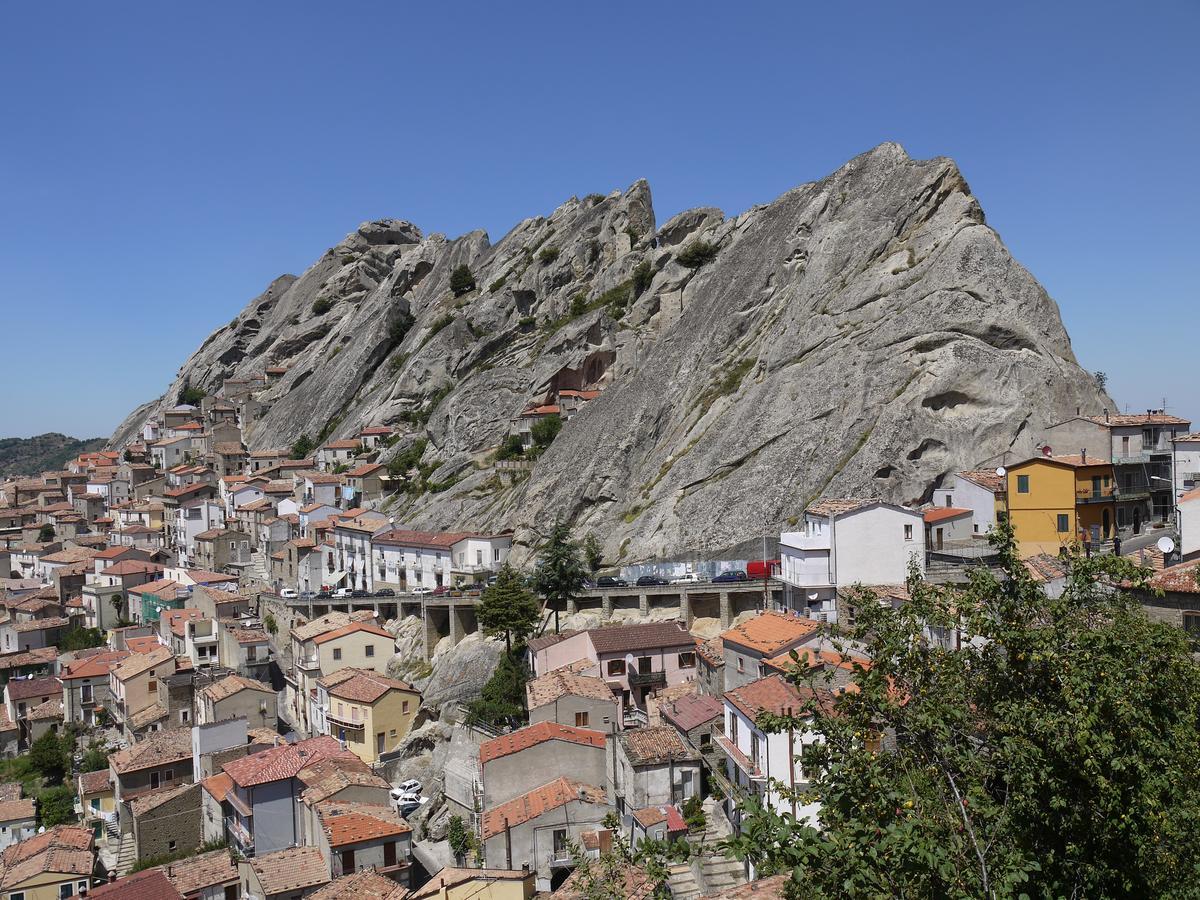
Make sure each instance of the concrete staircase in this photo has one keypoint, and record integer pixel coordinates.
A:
(257, 570)
(126, 854)
(710, 870)
(682, 883)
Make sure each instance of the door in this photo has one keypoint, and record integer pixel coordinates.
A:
(389, 853)
(1107, 524)
(645, 665)
(153, 780)
(379, 743)
(1096, 486)
(941, 534)
(347, 862)
(1137, 520)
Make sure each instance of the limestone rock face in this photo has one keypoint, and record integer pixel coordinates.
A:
(862, 334)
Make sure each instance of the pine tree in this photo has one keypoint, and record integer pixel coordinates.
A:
(560, 572)
(507, 608)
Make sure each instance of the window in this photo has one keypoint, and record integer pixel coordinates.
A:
(616, 667)
(733, 729)
(1022, 484)
(392, 733)
(908, 532)
(17, 895)
(370, 649)
(184, 715)
(1064, 523)
(687, 660)
(741, 664)
(1191, 624)
(66, 890)
(581, 720)
(560, 843)
(169, 775)
(496, 555)
(949, 500)
(81, 886)
(152, 687)
(404, 707)
(706, 741)
(171, 846)
(337, 652)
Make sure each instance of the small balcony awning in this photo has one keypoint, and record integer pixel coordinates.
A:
(331, 579)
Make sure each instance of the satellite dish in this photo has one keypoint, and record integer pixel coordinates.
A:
(1001, 471)
(813, 596)
(1166, 545)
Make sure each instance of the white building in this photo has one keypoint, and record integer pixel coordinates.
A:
(847, 542)
(1187, 463)
(1189, 525)
(763, 764)
(982, 492)
(412, 559)
(193, 518)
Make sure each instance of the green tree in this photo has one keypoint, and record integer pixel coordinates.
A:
(593, 553)
(508, 608)
(1101, 379)
(270, 624)
(303, 447)
(56, 806)
(82, 639)
(46, 533)
(697, 253)
(501, 702)
(49, 756)
(461, 280)
(546, 429)
(643, 274)
(1051, 756)
(560, 571)
(191, 396)
(459, 838)
(512, 448)
(95, 759)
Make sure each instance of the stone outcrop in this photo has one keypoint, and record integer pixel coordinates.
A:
(865, 333)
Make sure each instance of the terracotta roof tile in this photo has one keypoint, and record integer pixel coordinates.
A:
(451, 877)
(942, 513)
(836, 506)
(537, 802)
(194, 874)
(94, 782)
(137, 663)
(290, 870)
(362, 685)
(654, 746)
(282, 762)
(365, 884)
(1180, 579)
(692, 711)
(352, 628)
(533, 735)
(639, 636)
(561, 683)
(353, 823)
(773, 694)
(770, 632)
(158, 748)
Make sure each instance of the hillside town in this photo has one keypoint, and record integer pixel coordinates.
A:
(220, 666)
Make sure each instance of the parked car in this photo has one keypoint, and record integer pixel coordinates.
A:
(407, 806)
(651, 581)
(324, 592)
(411, 786)
(288, 594)
(610, 581)
(359, 594)
(727, 577)
(439, 591)
(688, 578)
(342, 593)
(385, 592)
(421, 591)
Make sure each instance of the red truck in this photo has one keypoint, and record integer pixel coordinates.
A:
(761, 568)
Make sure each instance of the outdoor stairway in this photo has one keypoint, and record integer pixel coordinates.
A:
(682, 883)
(126, 855)
(711, 870)
(257, 570)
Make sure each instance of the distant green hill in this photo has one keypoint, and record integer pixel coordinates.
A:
(42, 453)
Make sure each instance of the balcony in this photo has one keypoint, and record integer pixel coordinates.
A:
(1133, 492)
(1094, 495)
(648, 679)
(344, 720)
(242, 839)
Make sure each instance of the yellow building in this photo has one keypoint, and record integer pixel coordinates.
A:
(370, 712)
(478, 884)
(54, 864)
(1060, 501)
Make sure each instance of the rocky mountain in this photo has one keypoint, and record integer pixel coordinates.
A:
(865, 333)
(42, 453)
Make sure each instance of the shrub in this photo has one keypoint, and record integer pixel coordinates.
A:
(94, 760)
(616, 299)
(50, 756)
(511, 448)
(82, 639)
(46, 533)
(347, 259)
(303, 447)
(321, 306)
(56, 806)
(270, 624)
(578, 305)
(399, 326)
(461, 280)
(643, 274)
(547, 255)
(438, 324)
(191, 396)
(526, 322)
(545, 430)
(697, 253)
(593, 198)
(497, 284)
(634, 234)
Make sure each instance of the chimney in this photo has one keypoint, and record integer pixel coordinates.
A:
(1083, 455)
(1106, 414)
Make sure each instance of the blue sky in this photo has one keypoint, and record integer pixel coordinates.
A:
(161, 163)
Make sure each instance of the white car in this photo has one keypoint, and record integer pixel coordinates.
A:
(342, 593)
(688, 578)
(420, 591)
(288, 594)
(411, 786)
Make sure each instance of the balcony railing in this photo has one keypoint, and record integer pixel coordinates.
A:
(240, 835)
(647, 679)
(1094, 495)
(344, 720)
(1133, 492)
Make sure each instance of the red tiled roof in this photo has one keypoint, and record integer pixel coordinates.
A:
(537, 802)
(282, 762)
(360, 824)
(1128, 419)
(1180, 579)
(639, 636)
(93, 666)
(532, 735)
(985, 478)
(692, 711)
(770, 632)
(942, 513)
(773, 694)
(350, 629)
